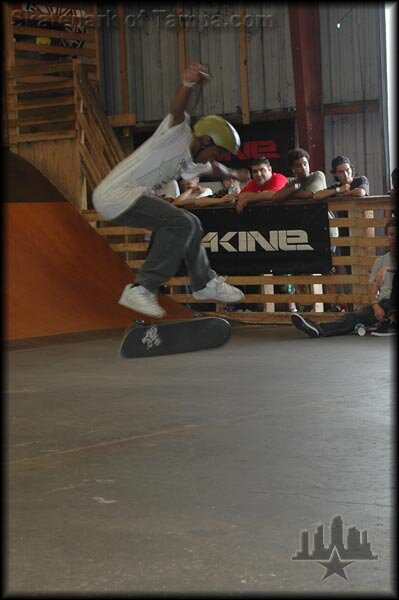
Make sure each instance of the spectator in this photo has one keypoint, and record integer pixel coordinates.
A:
(227, 195)
(190, 191)
(243, 176)
(382, 306)
(343, 172)
(169, 191)
(263, 185)
(345, 185)
(305, 184)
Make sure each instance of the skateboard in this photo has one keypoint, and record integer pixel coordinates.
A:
(174, 337)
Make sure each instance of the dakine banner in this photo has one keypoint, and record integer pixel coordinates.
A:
(277, 239)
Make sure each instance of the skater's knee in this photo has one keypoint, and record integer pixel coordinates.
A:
(188, 224)
(196, 225)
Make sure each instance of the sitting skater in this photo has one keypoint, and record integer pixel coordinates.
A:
(382, 306)
(125, 196)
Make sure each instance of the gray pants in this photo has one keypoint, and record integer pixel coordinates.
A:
(178, 237)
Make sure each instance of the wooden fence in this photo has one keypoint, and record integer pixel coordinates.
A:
(346, 285)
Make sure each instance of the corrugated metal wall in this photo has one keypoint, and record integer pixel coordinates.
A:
(351, 67)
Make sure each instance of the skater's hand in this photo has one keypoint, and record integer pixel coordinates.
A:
(241, 203)
(192, 73)
(345, 187)
(378, 312)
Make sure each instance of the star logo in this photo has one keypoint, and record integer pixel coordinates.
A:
(335, 565)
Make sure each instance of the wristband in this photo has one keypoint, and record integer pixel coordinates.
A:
(297, 186)
(374, 302)
(189, 84)
(337, 191)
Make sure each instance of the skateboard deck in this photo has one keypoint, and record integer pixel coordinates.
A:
(174, 337)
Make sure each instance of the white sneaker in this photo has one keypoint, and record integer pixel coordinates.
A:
(217, 289)
(140, 299)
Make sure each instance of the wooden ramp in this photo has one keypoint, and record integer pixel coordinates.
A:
(60, 275)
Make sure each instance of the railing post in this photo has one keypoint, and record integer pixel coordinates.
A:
(357, 213)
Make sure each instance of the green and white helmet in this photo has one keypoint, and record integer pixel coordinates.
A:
(222, 133)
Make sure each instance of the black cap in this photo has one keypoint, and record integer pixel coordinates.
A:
(338, 160)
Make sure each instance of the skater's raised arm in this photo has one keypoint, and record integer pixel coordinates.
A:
(191, 76)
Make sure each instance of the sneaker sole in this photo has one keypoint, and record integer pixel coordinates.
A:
(300, 323)
(213, 299)
(383, 334)
(158, 314)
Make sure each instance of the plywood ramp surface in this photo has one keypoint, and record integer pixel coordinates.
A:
(61, 276)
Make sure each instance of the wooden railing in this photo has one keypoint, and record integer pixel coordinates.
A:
(366, 235)
(99, 148)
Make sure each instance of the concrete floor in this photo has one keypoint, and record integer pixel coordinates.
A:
(197, 472)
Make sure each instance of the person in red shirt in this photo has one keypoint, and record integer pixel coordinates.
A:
(263, 185)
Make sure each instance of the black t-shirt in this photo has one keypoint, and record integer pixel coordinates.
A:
(358, 182)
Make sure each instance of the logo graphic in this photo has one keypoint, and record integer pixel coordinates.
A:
(246, 241)
(336, 556)
(151, 337)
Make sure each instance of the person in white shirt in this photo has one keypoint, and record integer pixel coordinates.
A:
(126, 196)
(191, 191)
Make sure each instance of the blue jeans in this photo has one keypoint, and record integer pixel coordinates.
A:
(178, 236)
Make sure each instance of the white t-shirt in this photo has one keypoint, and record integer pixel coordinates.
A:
(386, 260)
(170, 189)
(164, 156)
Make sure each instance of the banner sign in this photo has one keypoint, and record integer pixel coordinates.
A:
(269, 139)
(274, 239)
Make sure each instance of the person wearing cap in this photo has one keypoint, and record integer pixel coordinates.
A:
(346, 184)
(126, 196)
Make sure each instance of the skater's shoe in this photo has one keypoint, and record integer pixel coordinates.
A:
(142, 300)
(306, 325)
(385, 328)
(217, 289)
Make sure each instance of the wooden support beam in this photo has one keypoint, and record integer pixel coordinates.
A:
(122, 120)
(7, 81)
(242, 44)
(181, 39)
(306, 61)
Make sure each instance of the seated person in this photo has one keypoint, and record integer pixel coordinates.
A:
(382, 306)
(169, 191)
(263, 185)
(219, 189)
(190, 190)
(305, 184)
(227, 195)
(243, 176)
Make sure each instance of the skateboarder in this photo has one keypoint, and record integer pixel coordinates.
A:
(125, 197)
